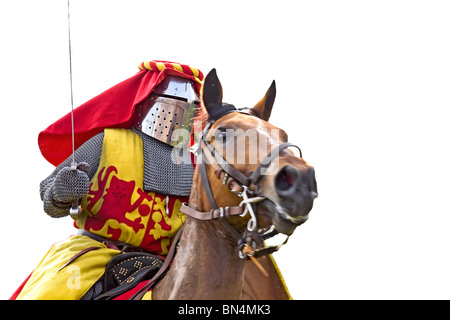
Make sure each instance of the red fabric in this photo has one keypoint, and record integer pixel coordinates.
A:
(110, 109)
(19, 289)
(124, 296)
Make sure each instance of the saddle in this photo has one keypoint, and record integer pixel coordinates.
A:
(129, 268)
(126, 270)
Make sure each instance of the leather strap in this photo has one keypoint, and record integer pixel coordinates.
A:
(110, 243)
(77, 255)
(269, 250)
(256, 175)
(213, 214)
(206, 184)
(219, 163)
(170, 255)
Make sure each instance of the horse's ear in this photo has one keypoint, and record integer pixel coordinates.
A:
(264, 107)
(212, 92)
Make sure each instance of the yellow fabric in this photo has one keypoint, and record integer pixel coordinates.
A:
(146, 66)
(160, 66)
(117, 207)
(147, 296)
(50, 282)
(281, 276)
(177, 67)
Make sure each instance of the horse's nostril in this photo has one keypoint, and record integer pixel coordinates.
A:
(286, 179)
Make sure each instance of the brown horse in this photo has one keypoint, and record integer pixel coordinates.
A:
(270, 190)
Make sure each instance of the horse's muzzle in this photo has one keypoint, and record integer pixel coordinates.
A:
(297, 190)
(294, 193)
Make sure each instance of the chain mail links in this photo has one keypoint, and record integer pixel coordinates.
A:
(52, 207)
(94, 291)
(70, 185)
(88, 153)
(161, 173)
(44, 186)
(67, 186)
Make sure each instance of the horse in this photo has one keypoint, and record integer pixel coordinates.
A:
(235, 203)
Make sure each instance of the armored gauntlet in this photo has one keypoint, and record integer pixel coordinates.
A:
(68, 185)
(65, 185)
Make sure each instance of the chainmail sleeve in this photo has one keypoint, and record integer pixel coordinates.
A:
(90, 153)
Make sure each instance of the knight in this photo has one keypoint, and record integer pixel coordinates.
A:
(133, 171)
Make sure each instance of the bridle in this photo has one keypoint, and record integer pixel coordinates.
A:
(242, 185)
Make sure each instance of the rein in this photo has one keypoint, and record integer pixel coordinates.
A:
(242, 186)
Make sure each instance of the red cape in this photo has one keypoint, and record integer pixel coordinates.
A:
(111, 109)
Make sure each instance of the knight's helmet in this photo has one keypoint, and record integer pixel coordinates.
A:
(168, 113)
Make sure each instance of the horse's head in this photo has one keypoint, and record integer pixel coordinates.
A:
(244, 140)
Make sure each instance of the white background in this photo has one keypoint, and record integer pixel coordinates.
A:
(362, 87)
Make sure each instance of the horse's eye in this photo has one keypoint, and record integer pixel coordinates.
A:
(221, 134)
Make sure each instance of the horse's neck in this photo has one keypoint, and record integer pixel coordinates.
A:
(206, 265)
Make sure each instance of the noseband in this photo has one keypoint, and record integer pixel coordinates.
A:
(240, 184)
